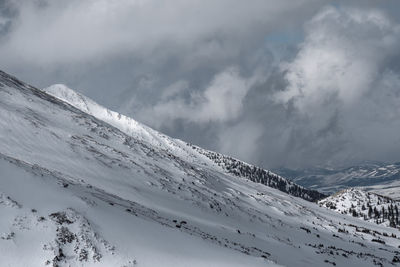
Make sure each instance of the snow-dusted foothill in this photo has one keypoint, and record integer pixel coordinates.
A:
(365, 205)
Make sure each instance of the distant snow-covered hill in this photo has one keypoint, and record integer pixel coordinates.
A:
(373, 176)
(367, 206)
(84, 186)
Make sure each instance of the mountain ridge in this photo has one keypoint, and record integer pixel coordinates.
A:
(145, 133)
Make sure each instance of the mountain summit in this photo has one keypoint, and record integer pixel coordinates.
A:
(125, 124)
(84, 186)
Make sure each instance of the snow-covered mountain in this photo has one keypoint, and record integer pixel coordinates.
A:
(84, 186)
(145, 134)
(370, 175)
(365, 205)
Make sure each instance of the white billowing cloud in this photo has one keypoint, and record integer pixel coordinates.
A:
(343, 54)
(221, 101)
(344, 87)
(223, 98)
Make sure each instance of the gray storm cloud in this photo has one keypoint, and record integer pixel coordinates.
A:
(276, 83)
(76, 31)
(341, 82)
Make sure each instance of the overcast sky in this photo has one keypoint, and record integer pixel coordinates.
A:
(278, 83)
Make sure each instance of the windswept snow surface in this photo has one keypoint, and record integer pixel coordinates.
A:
(78, 189)
(121, 122)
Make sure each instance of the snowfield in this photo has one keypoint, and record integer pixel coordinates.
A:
(84, 186)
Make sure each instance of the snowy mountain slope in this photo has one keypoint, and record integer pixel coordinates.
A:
(259, 175)
(121, 122)
(79, 220)
(145, 134)
(372, 175)
(77, 191)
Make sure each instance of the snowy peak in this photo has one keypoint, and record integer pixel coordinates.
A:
(73, 98)
(119, 121)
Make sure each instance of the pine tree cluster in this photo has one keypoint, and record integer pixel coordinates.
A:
(384, 213)
(259, 175)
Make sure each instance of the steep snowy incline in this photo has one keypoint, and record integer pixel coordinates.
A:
(183, 150)
(122, 122)
(76, 191)
(43, 222)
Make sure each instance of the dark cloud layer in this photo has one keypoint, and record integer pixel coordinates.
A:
(276, 83)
